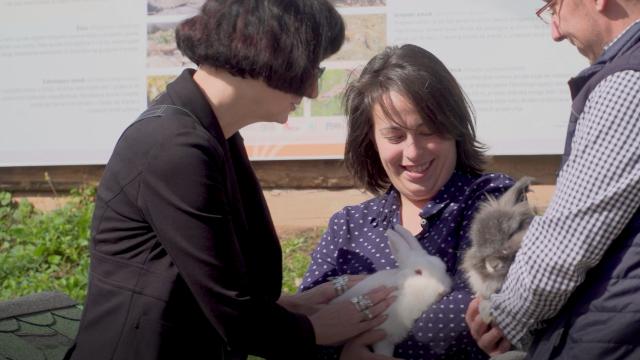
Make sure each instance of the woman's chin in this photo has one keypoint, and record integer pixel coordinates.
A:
(418, 194)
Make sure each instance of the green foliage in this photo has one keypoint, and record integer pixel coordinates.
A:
(163, 37)
(296, 251)
(331, 88)
(48, 251)
(45, 251)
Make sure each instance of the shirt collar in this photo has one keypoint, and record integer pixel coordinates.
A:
(185, 93)
(445, 196)
(620, 43)
(620, 35)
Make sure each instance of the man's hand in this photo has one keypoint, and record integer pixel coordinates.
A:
(488, 336)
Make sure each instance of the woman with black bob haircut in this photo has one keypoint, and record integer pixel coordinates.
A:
(411, 142)
(185, 261)
(281, 42)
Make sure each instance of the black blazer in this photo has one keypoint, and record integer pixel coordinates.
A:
(185, 262)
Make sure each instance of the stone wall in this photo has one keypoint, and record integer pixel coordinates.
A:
(301, 194)
(299, 174)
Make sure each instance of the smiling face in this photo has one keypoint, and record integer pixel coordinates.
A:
(577, 22)
(417, 161)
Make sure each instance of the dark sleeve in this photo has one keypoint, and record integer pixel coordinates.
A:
(183, 196)
(323, 266)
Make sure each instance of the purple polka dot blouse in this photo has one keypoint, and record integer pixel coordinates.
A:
(355, 243)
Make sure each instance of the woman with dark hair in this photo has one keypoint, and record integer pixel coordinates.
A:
(185, 262)
(411, 141)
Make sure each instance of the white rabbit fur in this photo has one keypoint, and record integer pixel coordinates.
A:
(421, 280)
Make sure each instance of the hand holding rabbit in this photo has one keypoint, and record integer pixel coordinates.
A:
(496, 233)
(488, 336)
(340, 320)
(311, 301)
(421, 280)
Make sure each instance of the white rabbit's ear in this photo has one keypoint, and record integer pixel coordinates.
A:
(408, 237)
(398, 246)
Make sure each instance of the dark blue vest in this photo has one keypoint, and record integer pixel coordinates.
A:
(601, 319)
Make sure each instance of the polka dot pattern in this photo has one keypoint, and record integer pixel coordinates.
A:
(355, 243)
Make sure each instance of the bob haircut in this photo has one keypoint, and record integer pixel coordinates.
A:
(281, 42)
(422, 79)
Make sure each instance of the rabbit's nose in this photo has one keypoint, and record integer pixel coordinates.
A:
(418, 272)
(493, 265)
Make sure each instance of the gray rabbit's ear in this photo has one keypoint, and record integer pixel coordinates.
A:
(399, 247)
(516, 192)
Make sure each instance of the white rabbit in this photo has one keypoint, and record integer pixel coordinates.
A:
(421, 280)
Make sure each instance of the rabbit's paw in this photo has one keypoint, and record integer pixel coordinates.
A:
(485, 311)
(384, 347)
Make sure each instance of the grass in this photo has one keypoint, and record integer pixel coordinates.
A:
(48, 251)
(45, 251)
(296, 251)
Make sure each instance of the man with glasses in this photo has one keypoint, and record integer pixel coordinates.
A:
(574, 288)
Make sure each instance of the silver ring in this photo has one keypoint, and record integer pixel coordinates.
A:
(361, 302)
(367, 314)
(365, 302)
(356, 301)
(340, 284)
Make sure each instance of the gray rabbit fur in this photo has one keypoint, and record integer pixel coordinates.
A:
(496, 233)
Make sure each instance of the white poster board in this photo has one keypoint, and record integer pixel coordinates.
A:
(75, 73)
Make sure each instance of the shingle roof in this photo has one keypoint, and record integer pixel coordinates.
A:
(38, 327)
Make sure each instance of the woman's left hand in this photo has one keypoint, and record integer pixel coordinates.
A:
(310, 301)
(488, 336)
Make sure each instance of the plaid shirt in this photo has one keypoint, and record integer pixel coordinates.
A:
(597, 192)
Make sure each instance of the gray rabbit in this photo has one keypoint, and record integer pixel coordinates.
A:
(496, 233)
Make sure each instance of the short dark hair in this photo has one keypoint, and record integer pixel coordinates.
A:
(281, 42)
(421, 78)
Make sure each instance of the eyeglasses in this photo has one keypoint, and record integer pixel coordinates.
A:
(546, 12)
(312, 90)
(320, 71)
